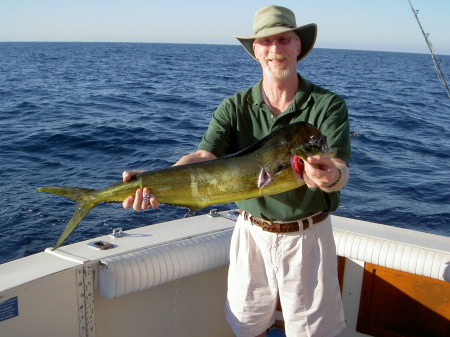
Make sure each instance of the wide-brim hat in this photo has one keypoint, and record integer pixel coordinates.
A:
(272, 20)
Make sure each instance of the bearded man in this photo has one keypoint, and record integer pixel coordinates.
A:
(295, 261)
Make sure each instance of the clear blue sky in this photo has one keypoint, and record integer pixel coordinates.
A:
(349, 24)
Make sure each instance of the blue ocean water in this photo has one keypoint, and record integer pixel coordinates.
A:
(78, 114)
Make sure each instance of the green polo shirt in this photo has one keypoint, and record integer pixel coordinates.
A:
(245, 118)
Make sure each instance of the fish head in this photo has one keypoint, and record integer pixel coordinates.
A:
(316, 144)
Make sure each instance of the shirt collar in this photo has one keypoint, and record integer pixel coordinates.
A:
(301, 99)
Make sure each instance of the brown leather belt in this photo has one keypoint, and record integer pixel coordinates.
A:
(286, 227)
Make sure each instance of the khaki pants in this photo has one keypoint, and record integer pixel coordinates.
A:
(300, 267)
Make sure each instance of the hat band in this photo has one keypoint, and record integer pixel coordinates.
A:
(273, 25)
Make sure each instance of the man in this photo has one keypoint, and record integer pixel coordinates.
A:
(296, 265)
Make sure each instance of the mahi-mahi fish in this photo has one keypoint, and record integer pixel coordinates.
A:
(265, 168)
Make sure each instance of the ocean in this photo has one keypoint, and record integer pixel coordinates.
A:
(78, 114)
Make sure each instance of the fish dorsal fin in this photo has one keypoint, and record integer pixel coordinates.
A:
(260, 143)
(250, 149)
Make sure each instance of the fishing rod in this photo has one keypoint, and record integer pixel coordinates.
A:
(436, 61)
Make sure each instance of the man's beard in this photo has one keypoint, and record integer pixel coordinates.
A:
(277, 74)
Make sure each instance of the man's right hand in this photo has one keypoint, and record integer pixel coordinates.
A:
(143, 199)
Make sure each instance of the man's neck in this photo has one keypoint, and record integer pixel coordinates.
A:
(279, 93)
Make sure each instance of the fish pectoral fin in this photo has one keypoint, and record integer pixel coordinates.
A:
(264, 178)
(270, 172)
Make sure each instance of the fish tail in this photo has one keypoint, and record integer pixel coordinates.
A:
(85, 200)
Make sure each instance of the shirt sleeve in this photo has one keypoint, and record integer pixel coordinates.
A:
(336, 127)
(217, 138)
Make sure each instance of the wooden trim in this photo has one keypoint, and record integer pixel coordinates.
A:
(394, 303)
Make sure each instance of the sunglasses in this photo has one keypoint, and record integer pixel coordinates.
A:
(281, 41)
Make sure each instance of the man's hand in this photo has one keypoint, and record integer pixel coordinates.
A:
(328, 174)
(143, 199)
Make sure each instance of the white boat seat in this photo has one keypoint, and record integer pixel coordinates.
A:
(128, 273)
(393, 254)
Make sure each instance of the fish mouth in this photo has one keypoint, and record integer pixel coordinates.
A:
(316, 145)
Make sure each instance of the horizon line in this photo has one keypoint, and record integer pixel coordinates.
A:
(218, 44)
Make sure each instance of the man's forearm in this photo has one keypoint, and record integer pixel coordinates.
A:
(196, 157)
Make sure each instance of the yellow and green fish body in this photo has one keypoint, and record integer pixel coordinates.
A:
(262, 169)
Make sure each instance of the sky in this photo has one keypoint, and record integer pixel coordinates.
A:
(385, 25)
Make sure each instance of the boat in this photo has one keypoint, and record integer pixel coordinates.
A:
(169, 279)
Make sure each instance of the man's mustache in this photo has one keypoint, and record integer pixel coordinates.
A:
(275, 57)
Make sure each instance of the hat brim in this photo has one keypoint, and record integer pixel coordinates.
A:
(307, 34)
